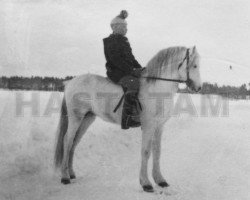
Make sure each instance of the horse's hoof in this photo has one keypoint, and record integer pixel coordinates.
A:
(65, 181)
(163, 184)
(72, 176)
(148, 188)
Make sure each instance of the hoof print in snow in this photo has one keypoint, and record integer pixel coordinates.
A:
(65, 181)
(148, 188)
(163, 184)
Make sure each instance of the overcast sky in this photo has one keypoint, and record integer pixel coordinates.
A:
(64, 37)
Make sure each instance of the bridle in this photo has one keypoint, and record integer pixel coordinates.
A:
(188, 81)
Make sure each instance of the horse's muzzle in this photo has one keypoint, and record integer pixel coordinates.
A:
(190, 84)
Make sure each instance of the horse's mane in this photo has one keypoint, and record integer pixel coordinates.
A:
(165, 58)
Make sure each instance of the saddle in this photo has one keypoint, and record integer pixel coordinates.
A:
(131, 110)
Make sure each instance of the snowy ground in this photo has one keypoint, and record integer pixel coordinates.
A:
(203, 158)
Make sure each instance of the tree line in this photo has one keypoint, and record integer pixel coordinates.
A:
(33, 83)
(56, 84)
(234, 92)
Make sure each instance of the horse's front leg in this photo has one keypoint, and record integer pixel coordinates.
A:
(156, 150)
(145, 154)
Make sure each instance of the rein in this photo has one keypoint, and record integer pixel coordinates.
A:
(163, 79)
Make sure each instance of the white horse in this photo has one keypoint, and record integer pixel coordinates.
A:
(88, 96)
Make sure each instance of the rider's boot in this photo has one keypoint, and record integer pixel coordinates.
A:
(130, 112)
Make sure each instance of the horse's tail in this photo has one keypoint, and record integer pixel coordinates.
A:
(61, 131)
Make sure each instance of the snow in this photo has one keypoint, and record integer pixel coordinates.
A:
(203, 158)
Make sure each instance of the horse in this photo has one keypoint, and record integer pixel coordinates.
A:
(89, 95)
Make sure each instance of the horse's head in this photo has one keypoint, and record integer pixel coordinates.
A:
(189, 69)
(177, 64)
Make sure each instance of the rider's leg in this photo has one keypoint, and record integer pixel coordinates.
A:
(130, 113)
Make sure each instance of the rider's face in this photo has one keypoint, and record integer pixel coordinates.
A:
(124, 29)
(120, 29)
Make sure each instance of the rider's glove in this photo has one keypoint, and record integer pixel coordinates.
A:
(137, 72)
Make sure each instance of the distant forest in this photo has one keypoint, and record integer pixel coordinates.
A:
(33, 83)
(56, 84)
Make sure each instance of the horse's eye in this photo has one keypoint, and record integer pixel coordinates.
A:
(195, 66)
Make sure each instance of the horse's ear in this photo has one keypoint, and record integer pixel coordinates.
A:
(193, 49)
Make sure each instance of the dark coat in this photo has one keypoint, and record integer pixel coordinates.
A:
(119, 57)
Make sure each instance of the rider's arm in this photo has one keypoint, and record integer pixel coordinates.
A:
(129, 55)
(116, 54)
(136, 64)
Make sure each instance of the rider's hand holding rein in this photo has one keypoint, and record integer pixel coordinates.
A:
(137, 72)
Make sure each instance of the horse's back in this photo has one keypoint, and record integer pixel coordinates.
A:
(92, 83)
(95, 93)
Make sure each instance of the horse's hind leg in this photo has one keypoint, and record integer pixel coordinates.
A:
(73, 125)
(86, 122)
(156, 150)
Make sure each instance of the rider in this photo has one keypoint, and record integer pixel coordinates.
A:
(123, 68)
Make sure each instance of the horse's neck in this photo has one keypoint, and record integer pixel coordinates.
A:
(170, 72)
(161, 85)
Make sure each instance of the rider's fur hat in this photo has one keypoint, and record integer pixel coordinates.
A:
(120, 19)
